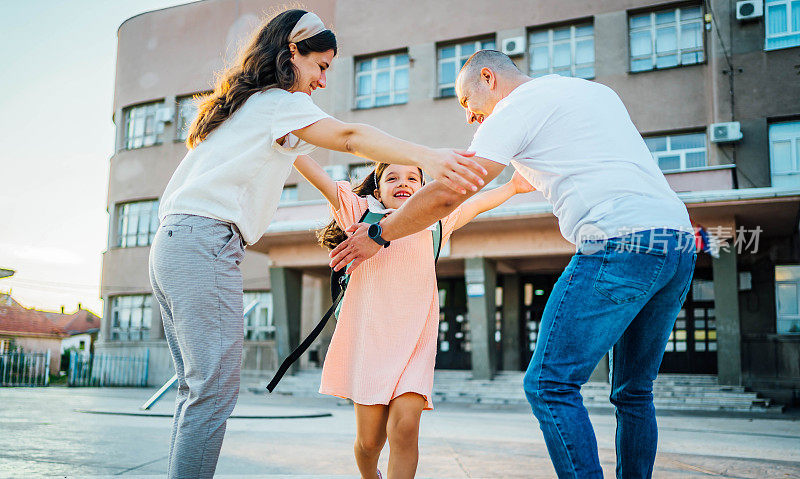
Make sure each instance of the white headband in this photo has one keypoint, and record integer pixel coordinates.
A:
(308, 26)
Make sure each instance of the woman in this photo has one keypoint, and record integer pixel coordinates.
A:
(248, 133)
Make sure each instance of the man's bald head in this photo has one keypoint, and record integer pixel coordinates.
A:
(496, 61)
(486, 78)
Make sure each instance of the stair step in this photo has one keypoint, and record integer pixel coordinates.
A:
(670, 391)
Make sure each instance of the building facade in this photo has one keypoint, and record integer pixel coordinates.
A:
(690, 74)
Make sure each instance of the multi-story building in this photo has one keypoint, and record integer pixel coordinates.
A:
(693, 75)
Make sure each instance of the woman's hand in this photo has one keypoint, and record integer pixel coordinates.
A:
(520, 184)
(454, 169)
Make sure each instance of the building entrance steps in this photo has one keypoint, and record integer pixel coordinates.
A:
(672, 392)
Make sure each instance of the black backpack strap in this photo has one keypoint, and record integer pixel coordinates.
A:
(299, 350)
(337, 277)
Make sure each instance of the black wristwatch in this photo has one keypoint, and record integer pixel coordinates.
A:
(374, 232)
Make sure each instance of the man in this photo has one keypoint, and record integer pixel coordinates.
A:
(574, 141)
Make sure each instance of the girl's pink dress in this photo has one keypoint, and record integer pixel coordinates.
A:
(384, 344)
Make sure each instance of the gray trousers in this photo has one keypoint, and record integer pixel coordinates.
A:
(194, 271)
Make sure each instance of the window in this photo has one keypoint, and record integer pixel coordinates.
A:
(131, 317)
(382, 80)
(678, 152)
(666, 38)
(187, 110)
(137, 223)
(450, 60)
(782, 22)
(359, 171)
(289, 194)
(143, 126)
(787, 297)
(567, 51)
(258, 324)
(784, 153)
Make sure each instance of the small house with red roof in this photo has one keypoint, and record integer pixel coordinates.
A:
(36, 331)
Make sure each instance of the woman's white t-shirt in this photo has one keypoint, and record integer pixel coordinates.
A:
(237, 173)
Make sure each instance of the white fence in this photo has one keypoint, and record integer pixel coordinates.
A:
(24, 369)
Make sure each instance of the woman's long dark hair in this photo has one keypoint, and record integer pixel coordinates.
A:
(331, 235)
(265, 63)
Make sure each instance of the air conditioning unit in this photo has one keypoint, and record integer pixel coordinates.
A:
(749, 9)
(336, 172)
(725, 132)
(514, 46)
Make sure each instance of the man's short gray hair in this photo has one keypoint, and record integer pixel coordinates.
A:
(496, 61)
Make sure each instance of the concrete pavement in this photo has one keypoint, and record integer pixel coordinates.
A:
(43, 434)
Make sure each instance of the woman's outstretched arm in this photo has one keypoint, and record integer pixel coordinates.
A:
(317, 176)
(453, 168)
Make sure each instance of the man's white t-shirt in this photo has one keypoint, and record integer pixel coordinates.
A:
(574, 141)
(237, 173)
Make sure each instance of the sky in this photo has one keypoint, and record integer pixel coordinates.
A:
(56, 138)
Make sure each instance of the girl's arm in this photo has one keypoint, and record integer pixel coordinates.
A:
(488, 200)
(315, 175)
(454, 168)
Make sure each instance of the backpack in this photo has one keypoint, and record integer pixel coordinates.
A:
(339, 282)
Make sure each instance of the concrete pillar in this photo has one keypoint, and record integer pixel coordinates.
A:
(511, 318)
(726, 304)
(287, 290)
(481, 278)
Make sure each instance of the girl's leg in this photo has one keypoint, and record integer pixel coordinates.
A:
(370, 437)
(403, 431)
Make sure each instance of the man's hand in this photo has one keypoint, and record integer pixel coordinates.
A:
(455, 169)
(521, 185)
(357, 248)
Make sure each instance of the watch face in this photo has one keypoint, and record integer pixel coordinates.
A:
(374, 231)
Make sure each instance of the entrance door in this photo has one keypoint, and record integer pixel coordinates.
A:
(534, 294)
(454, 338)
(692, 346)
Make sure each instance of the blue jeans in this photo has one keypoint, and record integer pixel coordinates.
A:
(623, 293)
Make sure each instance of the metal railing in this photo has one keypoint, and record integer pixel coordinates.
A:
(19, 368)
(101, 370)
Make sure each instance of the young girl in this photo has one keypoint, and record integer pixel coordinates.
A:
(383, 350)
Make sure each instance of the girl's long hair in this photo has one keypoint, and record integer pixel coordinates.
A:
(264, 64)
(331, 235)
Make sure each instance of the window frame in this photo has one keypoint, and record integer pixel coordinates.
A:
(794, 148)
(780, 36)
(652, 28)
(552, 43)
(181, 102)
(119, 237)
(352, 168)
(373, 73)
(253, 326)
(459, 59)
(792, 278)
(656, 155)
(157, 133)
(288, 201)
(119, 334)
